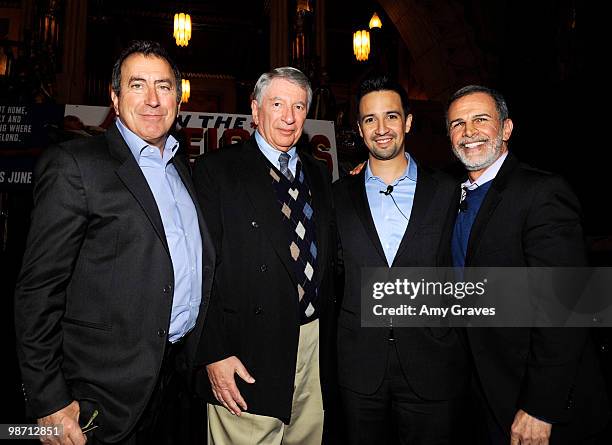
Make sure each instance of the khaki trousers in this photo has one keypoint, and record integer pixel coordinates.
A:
(306, 427)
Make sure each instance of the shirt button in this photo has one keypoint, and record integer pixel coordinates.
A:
(151, 150)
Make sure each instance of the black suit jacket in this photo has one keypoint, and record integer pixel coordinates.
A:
(532, 218)
(93, 301)
(254, 310)
(433, 360)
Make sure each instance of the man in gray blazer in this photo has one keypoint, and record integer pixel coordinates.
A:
(117, 269)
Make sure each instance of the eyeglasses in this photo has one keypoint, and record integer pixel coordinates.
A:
(90, 425)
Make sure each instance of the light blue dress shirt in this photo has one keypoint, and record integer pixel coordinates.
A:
(180, 220)
(272, 153)
(390, 223)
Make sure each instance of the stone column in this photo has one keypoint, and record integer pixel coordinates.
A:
(321, 36)
(279, 34)
(71, 80)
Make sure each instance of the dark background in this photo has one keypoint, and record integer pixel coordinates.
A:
(546, 57)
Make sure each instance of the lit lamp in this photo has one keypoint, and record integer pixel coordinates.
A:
(303, 6)
(375, 21)
(361, 45)
(185, 90)
(182, 28)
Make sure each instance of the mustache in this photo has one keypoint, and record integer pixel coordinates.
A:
(463, 142)
(386, 135)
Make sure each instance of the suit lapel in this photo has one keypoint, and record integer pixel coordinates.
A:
(489, 204)
(130, 174)
(423, 197)
(253, 172)
(185, 175)
(207, 244)
(362, 207)
(321, 212)
(208, 251)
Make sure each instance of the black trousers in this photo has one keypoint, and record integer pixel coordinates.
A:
(173, 415)
(487, 430)
(395, 414)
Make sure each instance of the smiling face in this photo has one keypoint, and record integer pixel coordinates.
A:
(147, 103)
(382, 124)
(478, 137)
(281, 115)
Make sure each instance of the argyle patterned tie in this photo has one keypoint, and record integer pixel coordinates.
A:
(283, 160)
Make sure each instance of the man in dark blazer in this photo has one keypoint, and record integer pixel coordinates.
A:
(268, 207)
(117, 270)
(535, 385)
(398, 385)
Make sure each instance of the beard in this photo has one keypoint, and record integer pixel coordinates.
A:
(492, 150)
(384, 154)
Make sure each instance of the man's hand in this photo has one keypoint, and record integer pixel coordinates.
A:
(221, 376)
(68, 417)
(527, 430)
(357, 169)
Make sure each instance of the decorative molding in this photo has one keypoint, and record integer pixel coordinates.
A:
(207, 76)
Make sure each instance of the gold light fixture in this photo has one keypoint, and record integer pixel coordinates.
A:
(361, 44)
(182, 28)
(303, 6)
(375, 21)
(185, 90)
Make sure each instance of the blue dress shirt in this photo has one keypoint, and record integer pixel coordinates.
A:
(389, 222)
(180, 221)
(272, 153)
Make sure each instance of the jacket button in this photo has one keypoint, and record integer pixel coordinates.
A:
(263, 268)
(254, 224)
(258, 310)
(161, 332)
(167, 288)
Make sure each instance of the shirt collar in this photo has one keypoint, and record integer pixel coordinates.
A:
(489, 174)
(272, 153)
(137, 145)
(410, 172)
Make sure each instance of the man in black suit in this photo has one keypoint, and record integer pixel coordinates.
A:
(117, 270)
(392, 214)
(535, 385)
(268, 207)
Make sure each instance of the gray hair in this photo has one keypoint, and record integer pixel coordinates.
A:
(500, 102)
(288, 73)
